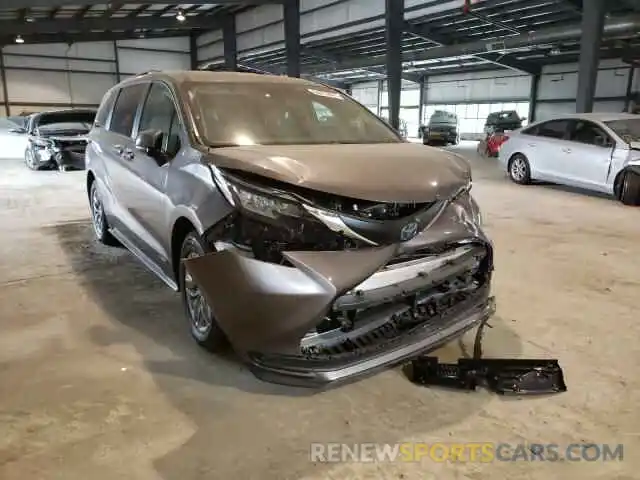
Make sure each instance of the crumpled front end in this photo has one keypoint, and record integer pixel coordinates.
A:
(325, 307)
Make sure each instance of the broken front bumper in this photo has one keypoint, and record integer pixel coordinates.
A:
(401, 303)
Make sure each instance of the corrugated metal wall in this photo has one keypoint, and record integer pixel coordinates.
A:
(45, 76)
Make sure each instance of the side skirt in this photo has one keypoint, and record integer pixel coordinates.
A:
(144, 259)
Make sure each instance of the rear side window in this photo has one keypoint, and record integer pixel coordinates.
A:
(554, 129)
(124, 111)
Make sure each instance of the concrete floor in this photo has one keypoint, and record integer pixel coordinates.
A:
(99, 378)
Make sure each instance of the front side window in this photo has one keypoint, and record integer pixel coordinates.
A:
(589, 133)
(124, 111)
(159, 114)
(627, 129)
(279, 113)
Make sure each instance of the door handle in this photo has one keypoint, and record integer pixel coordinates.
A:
(119, 149)
(128, 155)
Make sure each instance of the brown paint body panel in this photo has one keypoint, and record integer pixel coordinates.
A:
(394, 172)
(265, 307)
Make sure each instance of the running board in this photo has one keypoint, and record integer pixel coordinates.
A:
(145, 260)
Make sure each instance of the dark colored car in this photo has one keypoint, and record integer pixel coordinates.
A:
(58, 139)
(442, 129)
(504, 121)
(297, 225)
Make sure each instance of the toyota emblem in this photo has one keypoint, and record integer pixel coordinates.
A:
(409, 231)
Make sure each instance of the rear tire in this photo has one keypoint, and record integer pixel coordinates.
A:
(519, 169)
(630, 189)
(99, 219)
(203, 325)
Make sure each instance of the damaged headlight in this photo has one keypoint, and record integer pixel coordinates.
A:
(265, 205)
(255, 199)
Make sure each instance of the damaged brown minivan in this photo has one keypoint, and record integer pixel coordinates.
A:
(299, 228)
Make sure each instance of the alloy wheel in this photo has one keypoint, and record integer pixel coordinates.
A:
(518, 169)
(200, 313)
(97, 213)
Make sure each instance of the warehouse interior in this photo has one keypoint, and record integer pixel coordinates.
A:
(98, 375)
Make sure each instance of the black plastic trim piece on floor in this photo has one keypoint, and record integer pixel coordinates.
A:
(503, 376)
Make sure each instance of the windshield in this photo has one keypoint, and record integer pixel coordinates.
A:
(628, 129)
(274, 113)
(74, 122)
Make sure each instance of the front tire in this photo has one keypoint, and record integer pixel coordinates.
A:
(204, 327)
(99, 218)
(31, 160)
(519, 169)
(630, 189)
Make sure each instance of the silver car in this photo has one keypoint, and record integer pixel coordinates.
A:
(298, 226)
(596, 151)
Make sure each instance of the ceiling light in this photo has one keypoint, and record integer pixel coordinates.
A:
(19, 39)
(180, 16)
(29, 19)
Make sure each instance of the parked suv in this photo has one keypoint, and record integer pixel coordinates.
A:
(442, 128)
(297, 225)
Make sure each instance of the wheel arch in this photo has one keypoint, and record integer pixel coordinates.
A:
(181, 228)
(90, 179)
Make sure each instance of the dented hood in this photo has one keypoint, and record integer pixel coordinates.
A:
(394, 172)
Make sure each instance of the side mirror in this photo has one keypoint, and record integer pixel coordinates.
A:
(150, 142)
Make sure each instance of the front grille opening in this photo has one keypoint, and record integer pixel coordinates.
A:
(334, 336)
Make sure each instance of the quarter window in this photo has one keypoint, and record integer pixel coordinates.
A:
(103, 112)
(124, 112)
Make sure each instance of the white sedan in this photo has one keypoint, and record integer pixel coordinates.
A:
(595, 151)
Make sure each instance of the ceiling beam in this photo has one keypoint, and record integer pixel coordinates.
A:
(424, 33)
(91, 37)
(11, 28)
(338, 60)
(9, 4)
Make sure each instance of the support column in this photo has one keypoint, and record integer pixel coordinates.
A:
(592, 27)
(3, 79)
(422, 99)
(629, 92)
(116, 59)
(193, 51)
(292, 36)
(394, 19)
(380, 90)
(533, 97)
(229, 42)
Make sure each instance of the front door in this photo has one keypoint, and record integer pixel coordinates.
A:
(146, 192)
(590, 155)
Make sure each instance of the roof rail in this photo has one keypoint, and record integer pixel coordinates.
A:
(221, 67)
(146, 73)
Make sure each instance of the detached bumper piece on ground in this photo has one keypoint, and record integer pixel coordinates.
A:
(500, 375)
(503, 376)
